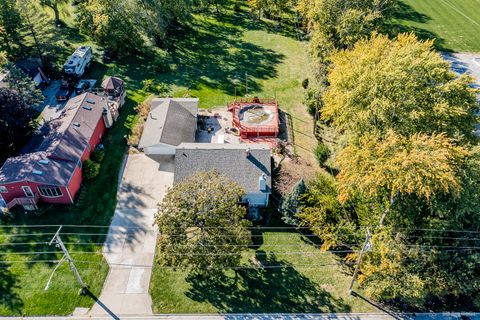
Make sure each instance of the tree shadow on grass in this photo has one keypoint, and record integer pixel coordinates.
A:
(207, 53)
(9, 299)
(210, 53)
(54, 41)
(263, 290)
(404, 13)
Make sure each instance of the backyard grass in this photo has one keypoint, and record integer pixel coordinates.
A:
(207, 57)
(309, 282)
(454, 23)
(218, 51)
(24, 273)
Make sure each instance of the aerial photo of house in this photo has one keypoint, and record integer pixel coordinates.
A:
(240, 159)
(52, 172)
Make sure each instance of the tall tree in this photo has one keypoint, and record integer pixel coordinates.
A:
(54, 4)
(109, 22)
(21, 83)
(338, 24)
(420, 164)
(402, 85)
(270, 8)
(10, 23)
(290, 204)
(15, 121)
(202, 226)
(3, 58)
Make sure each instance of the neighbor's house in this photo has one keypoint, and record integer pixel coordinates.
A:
(170, 122)
(53, 172)
(247, 164)
(32, 67)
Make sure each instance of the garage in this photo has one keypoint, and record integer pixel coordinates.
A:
(169, 123)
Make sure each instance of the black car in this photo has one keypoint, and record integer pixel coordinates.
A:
(82, 87)
(64, 92)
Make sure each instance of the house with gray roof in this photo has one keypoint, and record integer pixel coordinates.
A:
(247, 164)
(170, 122)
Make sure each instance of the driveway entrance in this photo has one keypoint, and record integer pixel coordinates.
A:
(130, 245)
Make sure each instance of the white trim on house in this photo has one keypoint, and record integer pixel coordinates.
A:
(25, 192)
(49, 188)
(160, 149)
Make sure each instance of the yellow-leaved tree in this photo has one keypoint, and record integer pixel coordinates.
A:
(421, 164)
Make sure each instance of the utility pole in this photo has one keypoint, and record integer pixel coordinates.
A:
(367, 245)
(317, 98)
(58, 242)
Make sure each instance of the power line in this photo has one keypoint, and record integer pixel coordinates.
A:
(126, 229)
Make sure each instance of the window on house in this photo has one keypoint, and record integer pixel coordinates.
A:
(50, 192)
(3, 189)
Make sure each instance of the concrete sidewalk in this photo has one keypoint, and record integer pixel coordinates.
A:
(279, 316)
(130, 245)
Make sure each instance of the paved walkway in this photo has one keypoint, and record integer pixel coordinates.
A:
(132, 236)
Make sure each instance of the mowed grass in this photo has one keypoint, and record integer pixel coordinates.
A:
(213, 51)
(455, 23)
(218, 51)
(308, 281)
(26, 260)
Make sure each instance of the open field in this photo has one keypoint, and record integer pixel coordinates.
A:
(310, 282)
(454, 23)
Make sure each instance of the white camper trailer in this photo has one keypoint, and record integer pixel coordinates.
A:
(78, 61)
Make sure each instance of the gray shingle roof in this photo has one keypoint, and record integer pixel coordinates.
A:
(230, 160)
(170, 121)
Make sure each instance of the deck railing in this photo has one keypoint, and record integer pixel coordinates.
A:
(24, 201)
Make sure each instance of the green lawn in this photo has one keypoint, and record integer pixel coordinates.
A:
(207, 57)
(23, 280)
(454, 23)
(310, 282)
(21, 285)
(218, 49)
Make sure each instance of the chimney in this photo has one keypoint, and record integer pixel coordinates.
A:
(262, 183)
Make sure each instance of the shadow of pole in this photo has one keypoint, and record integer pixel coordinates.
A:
(101, 304)
(390, 313)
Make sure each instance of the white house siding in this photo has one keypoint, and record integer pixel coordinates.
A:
(257, 199)
(160, 149)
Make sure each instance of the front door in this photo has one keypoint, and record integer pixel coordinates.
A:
(28, 191)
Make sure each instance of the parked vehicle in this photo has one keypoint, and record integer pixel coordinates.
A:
(78, 61)
(64, 92)
(82, 86)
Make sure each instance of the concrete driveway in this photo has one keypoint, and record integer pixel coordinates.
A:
(130, 245)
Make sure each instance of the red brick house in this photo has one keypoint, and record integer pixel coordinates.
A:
(53, 172)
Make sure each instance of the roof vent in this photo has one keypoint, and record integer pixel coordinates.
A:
(37, 172)
(262, 183)
(87, 107)
(44, 161)
(90, 101)
(76, 124)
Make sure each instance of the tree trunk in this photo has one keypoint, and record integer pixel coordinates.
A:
(57, 14)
